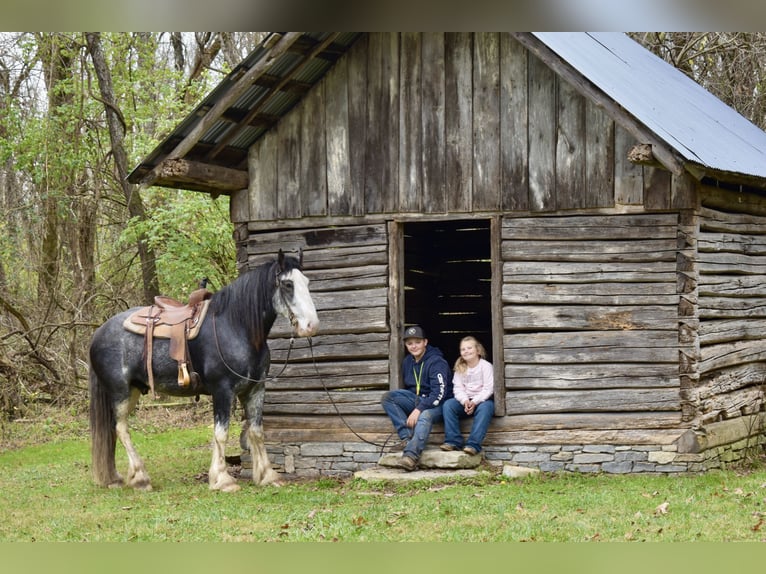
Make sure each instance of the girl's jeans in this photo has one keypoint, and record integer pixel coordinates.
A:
(482, 415)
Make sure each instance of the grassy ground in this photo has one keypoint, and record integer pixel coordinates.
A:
(48, 495)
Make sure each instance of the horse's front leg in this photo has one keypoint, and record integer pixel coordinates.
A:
(253, 404)
(218, 476)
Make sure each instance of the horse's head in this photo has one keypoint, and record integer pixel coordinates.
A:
(292, 298)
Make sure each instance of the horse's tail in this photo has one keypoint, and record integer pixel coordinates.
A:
(103, 433)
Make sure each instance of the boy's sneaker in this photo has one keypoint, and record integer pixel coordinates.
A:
(470, 450)
(408, 463)
(448, 447)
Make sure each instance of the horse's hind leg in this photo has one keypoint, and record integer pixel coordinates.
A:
(262, 472)
(137, 476)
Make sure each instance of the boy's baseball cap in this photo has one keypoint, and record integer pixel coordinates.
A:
(414, 331)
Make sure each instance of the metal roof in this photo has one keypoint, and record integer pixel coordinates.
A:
(215, 137)
(702, 129)
(208, 150)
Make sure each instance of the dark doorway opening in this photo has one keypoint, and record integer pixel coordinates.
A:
(448, 282)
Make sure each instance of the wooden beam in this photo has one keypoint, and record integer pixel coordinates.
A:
(202, 175)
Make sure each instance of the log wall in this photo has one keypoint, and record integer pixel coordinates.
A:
(590, 314)
(732, 307)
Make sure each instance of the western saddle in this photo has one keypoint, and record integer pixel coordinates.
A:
(171, 319)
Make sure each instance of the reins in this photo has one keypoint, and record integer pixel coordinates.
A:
(337, 410)
(244, 377)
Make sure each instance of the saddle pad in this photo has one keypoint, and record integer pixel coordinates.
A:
(136, 322)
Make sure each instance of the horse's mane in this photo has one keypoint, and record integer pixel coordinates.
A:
(247, 301)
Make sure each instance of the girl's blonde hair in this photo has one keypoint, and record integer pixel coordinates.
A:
(460, 365)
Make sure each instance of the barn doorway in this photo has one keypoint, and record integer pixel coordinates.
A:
(448, 282)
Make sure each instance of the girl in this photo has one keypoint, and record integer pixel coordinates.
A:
(473, 386)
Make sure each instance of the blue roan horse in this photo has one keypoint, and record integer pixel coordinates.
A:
(230, 354)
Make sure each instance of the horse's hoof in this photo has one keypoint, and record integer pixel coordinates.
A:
(226, 487)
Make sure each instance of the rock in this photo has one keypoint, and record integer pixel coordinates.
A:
(436, 459)
(401, 474)
(518, 471)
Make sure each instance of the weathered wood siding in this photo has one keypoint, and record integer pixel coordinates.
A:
(433, 123)
(347, 363)
(590, 313)
(732, 306)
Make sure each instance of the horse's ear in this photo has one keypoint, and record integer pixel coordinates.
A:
(281, 260)
(300, 257)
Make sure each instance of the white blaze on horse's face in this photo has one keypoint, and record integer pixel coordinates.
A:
(293, 300)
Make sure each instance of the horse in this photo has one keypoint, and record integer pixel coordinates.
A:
(230, 355)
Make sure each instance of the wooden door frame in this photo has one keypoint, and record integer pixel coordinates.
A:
(396, 310)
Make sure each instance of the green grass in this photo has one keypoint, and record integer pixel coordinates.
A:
(48, 495)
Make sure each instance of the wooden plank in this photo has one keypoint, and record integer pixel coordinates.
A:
(570, 148)
(628, 177)
(589, 317)
(716, 263)
(514, 129)
(614, 250)
(343, 346)
(313, 152)
(596, 272)
(683, 192)
(357, 122)
(728, 355)
(553, 428)
(288, 167)
(315, 239)
(433, 123)
(592, 347)
(262, 162)
(609, 294)
(590, 376)
(382, 146)
(599, 157)
(592, 227)
(731, 308)
(732, 286)
(591, 400)
(458, 121)
(486, 121)
(410, 128)
(339, 192)
(361, 277)
(732, 242)
(356, 402)
(353, 318)
(542, 136)
(656, 188)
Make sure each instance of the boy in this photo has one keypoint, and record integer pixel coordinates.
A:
(427, 384)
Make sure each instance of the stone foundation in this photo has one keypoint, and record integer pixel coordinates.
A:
(713, 447)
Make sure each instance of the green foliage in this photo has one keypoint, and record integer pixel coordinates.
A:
(191, 235)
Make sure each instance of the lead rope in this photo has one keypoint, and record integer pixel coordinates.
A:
(337, 410)
(243, 377)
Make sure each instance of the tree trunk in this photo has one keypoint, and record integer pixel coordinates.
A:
(116, 126)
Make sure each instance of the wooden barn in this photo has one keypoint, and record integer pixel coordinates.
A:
(593, 216)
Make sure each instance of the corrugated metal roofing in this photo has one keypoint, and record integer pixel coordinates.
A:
(691, 120)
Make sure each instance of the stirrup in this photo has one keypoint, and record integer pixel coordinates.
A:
(183, 375)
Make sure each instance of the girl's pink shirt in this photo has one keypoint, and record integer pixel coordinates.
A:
(477, 383)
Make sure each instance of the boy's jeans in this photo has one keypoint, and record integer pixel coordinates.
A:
(398, 404)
